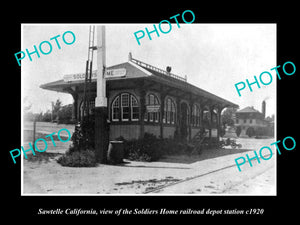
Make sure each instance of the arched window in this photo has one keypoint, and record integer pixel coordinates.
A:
(115, 109)
(196, 115)
(170, 111)
(125, 107)
(134, 109)
(152, 108)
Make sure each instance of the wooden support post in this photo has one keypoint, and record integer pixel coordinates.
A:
(201, 115)
(178, 118)
(210, 125)
(218, 122)
(190, 119)
(142, 93)
(162, 111)
(101, 134)
(34, 131)
(74, 107)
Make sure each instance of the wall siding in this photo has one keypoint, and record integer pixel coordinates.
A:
(168, 131)
(128, 131)
(152, 129)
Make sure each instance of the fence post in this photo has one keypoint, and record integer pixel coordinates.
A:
(34, 126)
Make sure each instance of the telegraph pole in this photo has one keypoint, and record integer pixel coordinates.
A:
(101, 126)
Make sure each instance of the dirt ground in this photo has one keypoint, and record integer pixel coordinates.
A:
(45, 176)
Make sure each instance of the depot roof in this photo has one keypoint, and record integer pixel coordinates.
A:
(136, 69)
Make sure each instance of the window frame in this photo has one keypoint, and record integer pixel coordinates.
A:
(131, 108)
(117, 99)
(122, 105)
(152, 117)
(170, 111)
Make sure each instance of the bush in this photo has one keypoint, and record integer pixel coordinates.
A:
(79, 153)
(147, 149)
(151, 148)
(84, 158)
(172, 147)
(84, 135)
(250, 132)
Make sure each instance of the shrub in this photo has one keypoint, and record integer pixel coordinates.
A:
(172, 147)
(250, 132)
(147, 149)
(151, 148)
(84, 158)
(84, 135)
(79, 153)
(238, 131)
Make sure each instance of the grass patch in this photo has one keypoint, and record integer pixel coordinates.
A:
(28, 136)
(42, 157)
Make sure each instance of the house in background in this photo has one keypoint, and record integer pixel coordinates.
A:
(251, 122)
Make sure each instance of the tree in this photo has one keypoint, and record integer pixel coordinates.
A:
(238, 131)
(250, 132)
(227, 116)
(28, 115)
(65, 114)
(56, 108)
(26, 105)
(47, 116)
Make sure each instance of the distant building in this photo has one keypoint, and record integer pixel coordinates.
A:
(251, 122)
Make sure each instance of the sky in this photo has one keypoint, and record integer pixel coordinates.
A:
(214, 57)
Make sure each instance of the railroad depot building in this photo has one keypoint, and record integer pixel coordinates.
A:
(143, 98)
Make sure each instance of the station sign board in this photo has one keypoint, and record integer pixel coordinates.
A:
(153, 108)
(115, 73)
(112, 73)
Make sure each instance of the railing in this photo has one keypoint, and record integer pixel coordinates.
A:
(158, 70)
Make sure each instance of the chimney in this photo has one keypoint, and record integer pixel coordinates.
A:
(263, 109)
(169, 68)
(129, 56)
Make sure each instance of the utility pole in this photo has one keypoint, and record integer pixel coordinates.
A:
(101, 126)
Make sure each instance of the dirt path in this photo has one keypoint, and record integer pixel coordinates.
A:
(257, 180)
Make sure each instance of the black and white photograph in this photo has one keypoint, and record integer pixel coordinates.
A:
(165, 109)
(130, 113)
